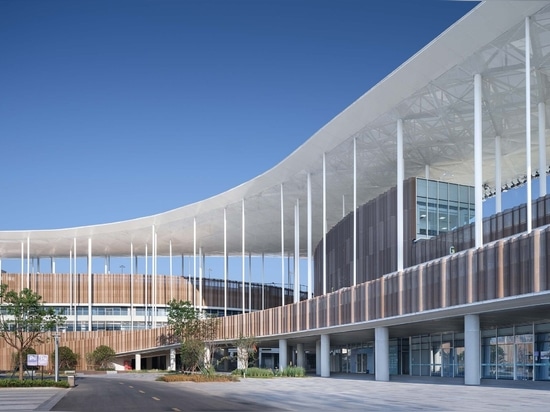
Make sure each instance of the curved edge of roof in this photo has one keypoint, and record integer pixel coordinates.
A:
(483, 23)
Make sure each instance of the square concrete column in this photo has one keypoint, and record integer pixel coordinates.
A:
(138, 361)
(300, 355)
(325, 356)
(318, 358)
(283, 354)
(381, 354)
(472, 355)
(172, 360)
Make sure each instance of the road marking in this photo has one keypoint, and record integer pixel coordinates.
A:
(141, 391)
(121, 383)
(155, 398)
(176, 410)
(130, 386)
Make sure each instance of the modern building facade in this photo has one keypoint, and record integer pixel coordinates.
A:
(390, 261)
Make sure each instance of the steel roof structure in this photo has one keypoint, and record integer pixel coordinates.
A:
(432, 92)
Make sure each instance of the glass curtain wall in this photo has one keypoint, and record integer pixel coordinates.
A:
(442, 207)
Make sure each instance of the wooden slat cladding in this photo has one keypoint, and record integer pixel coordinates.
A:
(462, 278)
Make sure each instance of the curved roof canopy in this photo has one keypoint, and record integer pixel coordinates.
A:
(432, 92)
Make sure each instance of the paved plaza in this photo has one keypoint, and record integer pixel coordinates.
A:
(341, 392)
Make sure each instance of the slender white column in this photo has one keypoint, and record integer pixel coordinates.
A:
(249, 282)
(324, 225)
(243, 253)
(71, 306)
(427, 171)
(22, 264)
(309, 240)
(400, 178)
(542, 149)
(325, 356)
(478, 165)
(52, 264)
(170, 271)
(354, 211)
(154, 278)
(343, 206)
(381, 354)
(283, 354)
(28, 262)
(145, 289)
(225, 267)
(282, 249)
(201, 272)
(300, 355)
(131, 286)
(194, 262)
(90, 283)
(498, 174)
(138, 361)
(74, 275)
(105, 265)
(472, 356)
(297, 252)
(528, 122)
(263, 281)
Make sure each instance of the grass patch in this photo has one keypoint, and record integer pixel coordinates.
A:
(198, 377)
(37, 383)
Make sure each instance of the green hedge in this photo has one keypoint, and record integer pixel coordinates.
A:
(293, 372)
(27, 383)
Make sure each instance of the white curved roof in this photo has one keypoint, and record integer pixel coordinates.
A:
(432, 92)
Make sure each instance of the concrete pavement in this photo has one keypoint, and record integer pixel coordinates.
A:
(340, 392)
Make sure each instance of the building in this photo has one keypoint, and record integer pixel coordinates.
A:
(384, 205)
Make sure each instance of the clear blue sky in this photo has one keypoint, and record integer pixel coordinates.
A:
(112, 110)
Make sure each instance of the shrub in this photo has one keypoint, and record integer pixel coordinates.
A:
(37, 383)
(293, 371)
(259, 373)
(197, 377)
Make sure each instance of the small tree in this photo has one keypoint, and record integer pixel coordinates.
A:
(24, 320)
(67, 358)
(101, 358)
(195, 331)
(246, 351)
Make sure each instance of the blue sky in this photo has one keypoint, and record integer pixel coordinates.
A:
(112, 110)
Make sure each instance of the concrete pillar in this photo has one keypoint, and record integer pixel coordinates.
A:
(472, 356)
(325, 356)
(283, 354)
(138, 361)
(318, 358)
(300, 355)
(172, 360)
(381, 354)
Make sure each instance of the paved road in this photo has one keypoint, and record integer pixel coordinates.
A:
(140, 393)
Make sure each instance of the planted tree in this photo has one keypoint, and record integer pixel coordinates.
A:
(246, 351)
(101, 358)
(25, 321)
(195, 332)
(67, 358)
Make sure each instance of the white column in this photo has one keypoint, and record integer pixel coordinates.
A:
(22, 263)
(145, 283)
(201, 271)
(172, 364)
(131, 286)
(263, 281)
(282, 249)
(154, 277)
(498, 173)
(528, 122)
(354, 211)
(249, 282)
(243, 254)
(300, 355)
(283, 354)
(472, 357)
(542, 149)
(309, 241)
(52, 264)
(225, 267)
(324, 225)
(138, 361)
(297, 252)
(427, 171)
(325, 356)
(89, 283)
(478, 165)
(381, 354)
(400, 178)
(74, 276)
(171, 271)
(195, 262)
(28, 262)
